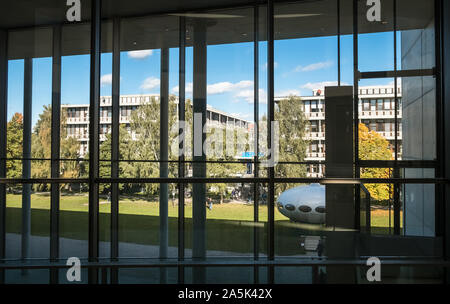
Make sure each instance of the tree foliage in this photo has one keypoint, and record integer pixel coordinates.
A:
(14, 146)
(293, 127)
(125, 152)
(373, 146)
(41, 148)
(216, 140)
(145, 128)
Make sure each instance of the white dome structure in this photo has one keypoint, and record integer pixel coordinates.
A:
(305, 204)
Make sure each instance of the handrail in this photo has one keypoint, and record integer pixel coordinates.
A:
(367, 201)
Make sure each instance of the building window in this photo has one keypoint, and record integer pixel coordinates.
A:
(379, 104)
(366, 105)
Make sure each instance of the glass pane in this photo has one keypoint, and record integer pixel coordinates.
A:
(36, 234)
(306, 61)
(377, 119)
(416, 34)
(75, 88)
(74, 221)
(376, 36)
(418, 124)
(140, 221)
(419, 203)
(300, 220)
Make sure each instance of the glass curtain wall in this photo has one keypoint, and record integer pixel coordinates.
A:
(249, 133)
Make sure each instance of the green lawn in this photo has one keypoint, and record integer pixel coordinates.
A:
(139, 206)
(229, 227)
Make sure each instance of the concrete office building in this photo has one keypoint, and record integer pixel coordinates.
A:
(376, 110)
(77, 123)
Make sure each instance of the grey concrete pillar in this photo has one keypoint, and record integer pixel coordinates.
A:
(3, 140)
(164, 157)
(340, 200)
(199, 169)
(26, 163)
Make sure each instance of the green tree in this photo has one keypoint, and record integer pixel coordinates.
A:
(145, 126)
(293, 127)
(373, 146)
(224, 169)
(124, 153)
(41, 148)
(14, 146)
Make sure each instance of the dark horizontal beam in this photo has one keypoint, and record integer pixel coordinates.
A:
(397, 164)
(245, 180)
(360, 163)
(228, 262)
(400, 73)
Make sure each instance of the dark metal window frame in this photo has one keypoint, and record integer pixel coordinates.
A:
(94, 179)
(397, 164)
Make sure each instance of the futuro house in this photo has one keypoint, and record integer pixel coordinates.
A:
(305, 204)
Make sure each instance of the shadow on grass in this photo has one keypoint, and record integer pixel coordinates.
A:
(221, 235)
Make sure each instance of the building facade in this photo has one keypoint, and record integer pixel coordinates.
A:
(77, 123)
(376, 111)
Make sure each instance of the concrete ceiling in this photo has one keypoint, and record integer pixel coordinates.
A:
(30, 35)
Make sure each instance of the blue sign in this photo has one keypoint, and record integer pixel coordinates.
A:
(251, 154)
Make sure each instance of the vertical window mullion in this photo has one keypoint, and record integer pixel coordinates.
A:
(396, 169)
(115, 153)
(3, 140)
(256, 137)
(55, 149)
(181, 157)
(94, 137)
(271, 118)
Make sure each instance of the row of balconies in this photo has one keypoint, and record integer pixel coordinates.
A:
(362, 114)
(315, 136)
(78, 119)
(314, 175)
(125, 119)
(379, 114)
(390, 135)
(315, 155)
(321, 156)
(310, 115)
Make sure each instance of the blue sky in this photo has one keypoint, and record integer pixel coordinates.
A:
(300, 66)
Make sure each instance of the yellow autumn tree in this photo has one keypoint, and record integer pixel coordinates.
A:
(373, 146)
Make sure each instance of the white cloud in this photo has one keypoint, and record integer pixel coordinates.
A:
(262, 96)
(248, 96)
(275, 65)
(242, 90)
(314, 66)
(244, 116)
(319, 85)
(150, 83)
(142, 54)
(220, 87)
(225, 87)
(188, 89)
(288, 93)
(106, 79)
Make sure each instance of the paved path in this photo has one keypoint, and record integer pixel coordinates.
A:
(79, 248)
